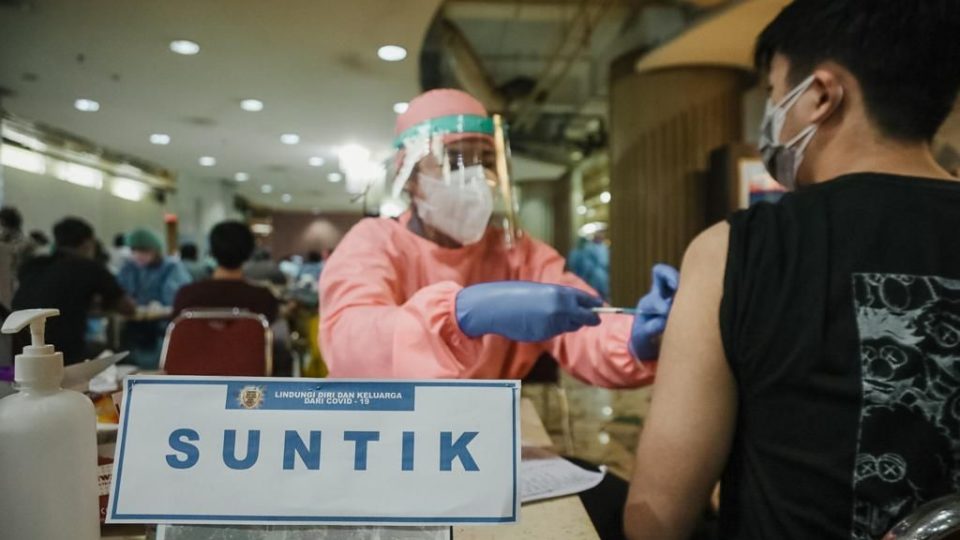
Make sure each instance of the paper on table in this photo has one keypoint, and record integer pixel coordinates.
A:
(285, 532)
(77, 376)
(548, 477)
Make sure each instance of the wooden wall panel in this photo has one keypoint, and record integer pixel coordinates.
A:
(297, 233)
(663, 127)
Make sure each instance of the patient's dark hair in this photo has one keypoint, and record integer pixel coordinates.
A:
(904, 53)
(231, 244)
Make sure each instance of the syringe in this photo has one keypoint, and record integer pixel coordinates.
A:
(622, 311)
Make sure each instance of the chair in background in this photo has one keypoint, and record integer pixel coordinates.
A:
(218, 342)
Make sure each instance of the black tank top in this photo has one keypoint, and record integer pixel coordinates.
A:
(841, 323)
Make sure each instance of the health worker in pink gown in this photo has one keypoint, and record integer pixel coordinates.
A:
(453, 289)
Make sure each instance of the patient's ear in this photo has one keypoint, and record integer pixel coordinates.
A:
(826, 95)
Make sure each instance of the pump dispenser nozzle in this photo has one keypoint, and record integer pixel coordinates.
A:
(36, 318)
(39, 364)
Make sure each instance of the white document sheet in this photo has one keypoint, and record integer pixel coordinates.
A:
(548, 477)
(280, 532)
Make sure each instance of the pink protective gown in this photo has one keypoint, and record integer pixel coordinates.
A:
(387, 300)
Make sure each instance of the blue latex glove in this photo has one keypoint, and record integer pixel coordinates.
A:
(652, 312)
(524, 310)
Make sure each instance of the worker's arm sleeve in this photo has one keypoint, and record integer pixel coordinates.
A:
(108, 288)
(597, 355)
(126, 278)
(368, 330)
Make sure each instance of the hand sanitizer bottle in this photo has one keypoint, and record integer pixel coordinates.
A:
(48, 446)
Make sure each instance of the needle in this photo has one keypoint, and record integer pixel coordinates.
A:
(622, 311)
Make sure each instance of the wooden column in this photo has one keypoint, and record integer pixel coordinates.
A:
(663, 126)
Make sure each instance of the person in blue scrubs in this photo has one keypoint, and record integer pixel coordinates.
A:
(152, 280)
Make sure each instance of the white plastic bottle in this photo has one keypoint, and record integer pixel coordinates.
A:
(48, 447)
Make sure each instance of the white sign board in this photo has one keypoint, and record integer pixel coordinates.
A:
(258, 451)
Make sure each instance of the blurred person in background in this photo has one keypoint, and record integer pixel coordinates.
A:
(15, 248)
(305, 286)
(96, 335)
(11, 230)
(189, 256)
(100, 254)
(812, 359)
(262, 268)
(231, 244)
(290, 266)
(119, 253)
(41, 242)
(71, 281)
(153, 281)
(311, 269)
(438, 293)
(590, 261)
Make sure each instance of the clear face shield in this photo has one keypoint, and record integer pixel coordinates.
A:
(455, 169)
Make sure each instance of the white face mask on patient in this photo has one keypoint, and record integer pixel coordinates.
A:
(783, 160)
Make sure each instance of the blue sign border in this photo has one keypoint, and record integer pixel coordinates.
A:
(128, 390)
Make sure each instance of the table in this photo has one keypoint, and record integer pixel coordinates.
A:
(564, 517)
(115, 321)
(556, 518)
(152, 312)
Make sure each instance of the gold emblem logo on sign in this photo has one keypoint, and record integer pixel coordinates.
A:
(251, 397)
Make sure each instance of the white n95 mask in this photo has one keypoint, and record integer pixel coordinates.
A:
(783, 160)
(461, 208)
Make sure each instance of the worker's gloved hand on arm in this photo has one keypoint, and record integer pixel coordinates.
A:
(524, 311)
(652, 311)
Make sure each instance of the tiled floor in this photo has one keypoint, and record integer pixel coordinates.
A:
(604, 424)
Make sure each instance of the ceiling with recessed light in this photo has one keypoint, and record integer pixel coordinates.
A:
(313, 64)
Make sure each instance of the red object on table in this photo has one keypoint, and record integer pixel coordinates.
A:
(104, 477)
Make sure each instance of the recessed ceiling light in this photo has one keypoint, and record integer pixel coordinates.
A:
(208, 161)
(266, 189)
(334, 177)
(160, 138)
(86, 105)
(241, 177)
(286, 198)
(251, 105)
(185, 47)
(392, 53)
(317, 161)
(290, 138)
(400, 107)
(605, 197)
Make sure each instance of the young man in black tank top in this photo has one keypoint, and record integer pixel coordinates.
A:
(818, 376)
